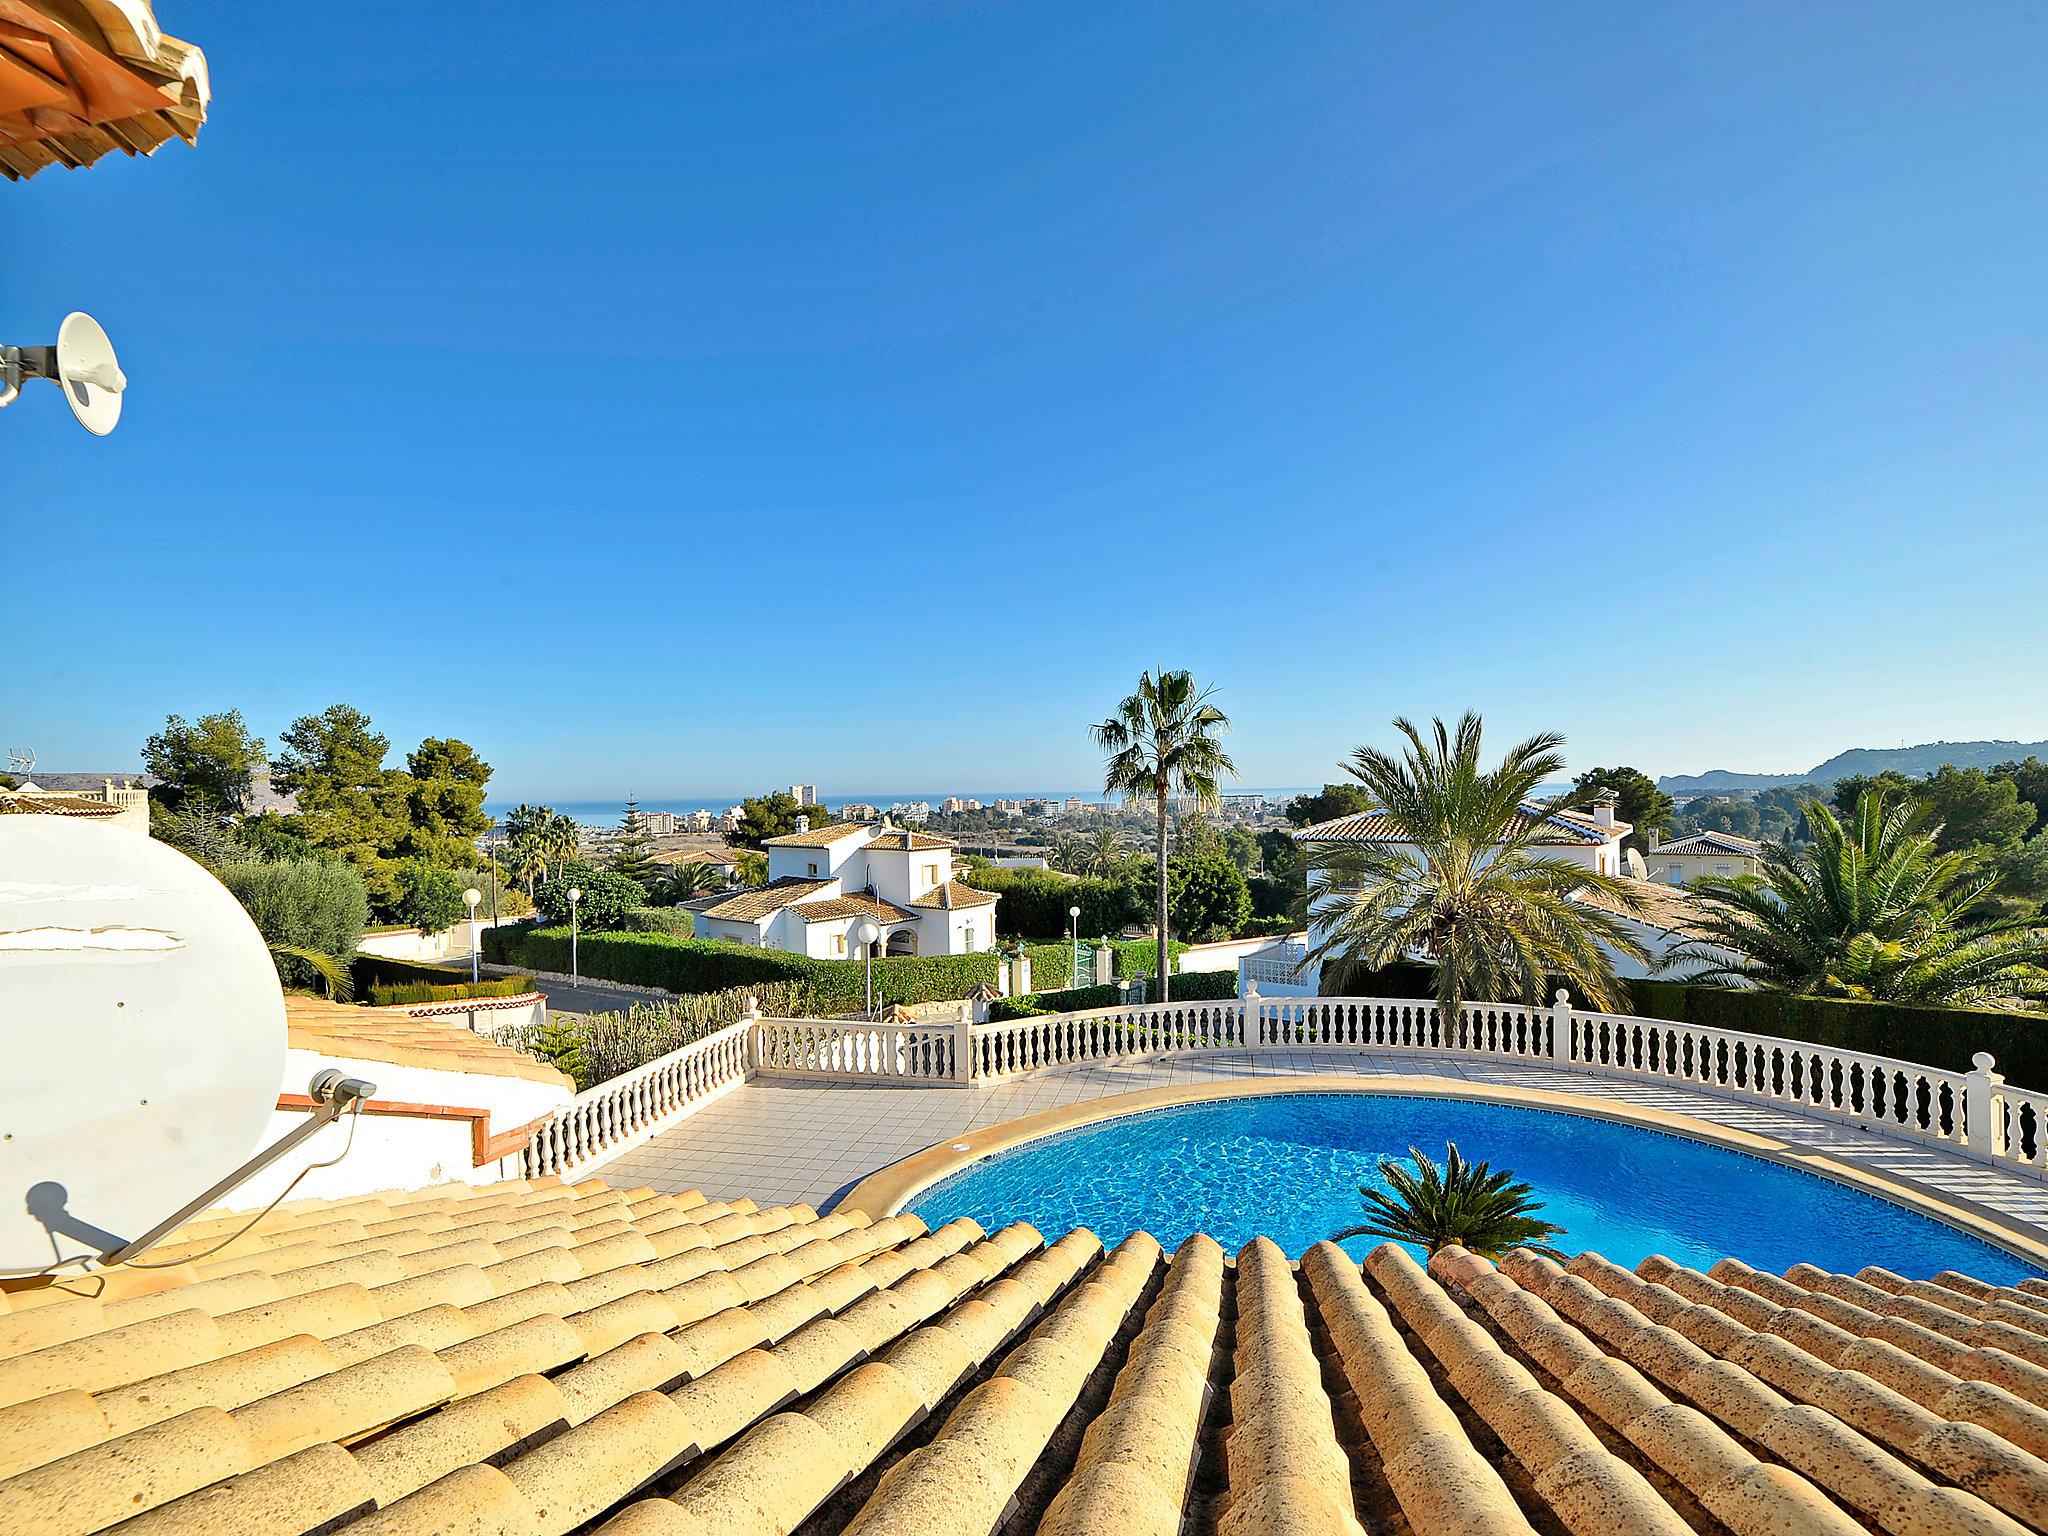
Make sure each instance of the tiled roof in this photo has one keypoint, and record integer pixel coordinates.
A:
(897, 842)
(1667, 907)
(762, 901)
(817, 837)
(406, 1040)
(541, 1359)
(954, 894)
(81, 78)
(1709, 844)
(1571, 829)
(856, 904)
(54, 805)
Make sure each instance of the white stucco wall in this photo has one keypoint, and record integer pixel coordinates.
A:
(727, 929)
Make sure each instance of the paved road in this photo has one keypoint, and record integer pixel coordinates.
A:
(563, 997)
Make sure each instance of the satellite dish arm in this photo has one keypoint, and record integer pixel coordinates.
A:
(333, 1095)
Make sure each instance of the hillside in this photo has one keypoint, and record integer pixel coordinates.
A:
(1863, 761)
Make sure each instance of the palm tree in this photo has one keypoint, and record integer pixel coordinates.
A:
(1873, 910)
(332, 972)
(1463, 1203)
(562, 839)
(689, 877)
(1465, 887)
(1161, 744)
(1101, 856)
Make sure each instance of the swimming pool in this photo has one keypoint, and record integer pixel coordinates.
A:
(1290, 1165)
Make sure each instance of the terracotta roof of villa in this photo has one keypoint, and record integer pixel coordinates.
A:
(1564, 828)
(897, 840)
(1709, 844)
(853, 904)
(954, 894)
(82, 78)
(47, 804)
(1666, 907)
(532, 1359)
(407, 1040)
(817, 837)
(760, 901)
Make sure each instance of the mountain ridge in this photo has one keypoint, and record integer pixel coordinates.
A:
(1858, 761)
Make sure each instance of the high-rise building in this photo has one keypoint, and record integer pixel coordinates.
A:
(804, 794)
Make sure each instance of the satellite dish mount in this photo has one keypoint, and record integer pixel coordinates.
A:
(82, 363)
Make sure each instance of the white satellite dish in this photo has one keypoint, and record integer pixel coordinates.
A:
(92, 379)
(145, 1031)
(82, 364)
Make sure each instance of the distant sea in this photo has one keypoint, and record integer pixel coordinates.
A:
(607, 813)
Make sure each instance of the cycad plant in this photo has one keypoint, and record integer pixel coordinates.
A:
(1872, 910)
(1468, 1204)
(1162, 744)
(1466, 887)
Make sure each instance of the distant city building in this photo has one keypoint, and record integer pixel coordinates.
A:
(699, 821)
(1244, 805)
(955, 805)
(911, 810)
(859, 810)
(1010, 807)
(1075, 805)
(804, 794)
(823, 884)
(661, 823)
(730, 821)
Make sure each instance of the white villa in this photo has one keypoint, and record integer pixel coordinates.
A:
(823, 884)
(1683, 860)
(1591, 838)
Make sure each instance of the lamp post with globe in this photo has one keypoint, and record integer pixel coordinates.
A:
(471, 897)
(865, 934)
(1074, 938)
(575, 971)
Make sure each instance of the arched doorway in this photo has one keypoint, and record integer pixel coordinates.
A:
(902, 942)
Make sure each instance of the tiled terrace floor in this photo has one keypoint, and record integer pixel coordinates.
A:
(781, 1141)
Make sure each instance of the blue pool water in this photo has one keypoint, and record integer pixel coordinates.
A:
(1290, 1165)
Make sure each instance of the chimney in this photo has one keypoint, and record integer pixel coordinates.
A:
(803, 823)
(1603, 806)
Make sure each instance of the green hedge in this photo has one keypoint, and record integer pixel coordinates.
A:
(1033, 903)
(371, 971)
(686, 965)
(1934, 1037)
(1196, 986)
(1189, 987)
(398, 993)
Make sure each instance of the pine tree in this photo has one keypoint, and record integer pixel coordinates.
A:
(630, 854)
(556, 1043)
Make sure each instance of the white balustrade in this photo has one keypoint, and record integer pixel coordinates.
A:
(1975, 1111)
(618, 1115)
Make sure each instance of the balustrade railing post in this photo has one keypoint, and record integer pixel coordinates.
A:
(752, 1014)
(1248, 1014)
(1980, 1106)
(963, 1045)
(1560, 1025)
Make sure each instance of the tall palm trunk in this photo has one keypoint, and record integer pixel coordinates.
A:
(1159, 953)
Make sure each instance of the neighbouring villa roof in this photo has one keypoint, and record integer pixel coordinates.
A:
(81, 78)
(1564, 828)
(759, 901)
(541, 1358)
(46, 803)
(954, 894)
(854, 904)
(1711, 843)
(404, 1039)
(817, 837)
(1664, 907)
(896, 841)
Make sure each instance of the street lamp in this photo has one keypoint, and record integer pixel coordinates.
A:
(491, 840)
(865, 933)
(575, 895)
(1074, 938)
(472, 896)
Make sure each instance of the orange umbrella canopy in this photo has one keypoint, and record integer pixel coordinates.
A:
(79, 78)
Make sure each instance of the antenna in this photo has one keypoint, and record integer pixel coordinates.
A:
(146, 1037)
(82, 362)
(22, 760)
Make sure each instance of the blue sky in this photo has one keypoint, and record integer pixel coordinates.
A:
(689, 398)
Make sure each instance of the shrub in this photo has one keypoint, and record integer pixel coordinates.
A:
(603, 906)
(1206, 896)
(429, 897)
(678, 921)
(316, 904)
(396, 994)
(1195, 986)
(1033, 903)
(609, 1045)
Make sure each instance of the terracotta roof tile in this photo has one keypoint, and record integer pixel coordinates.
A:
(954, 894)
(106, 78)
(760, 901)
(407, 1040)
(855, 904)
(1707, 844)
(782, 1370)
(816, 837)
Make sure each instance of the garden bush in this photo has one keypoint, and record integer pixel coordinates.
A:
(1195, 986)
(317, 904)
(395, 994)
(605, 901)
(603, 1046)
(1033, 903)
